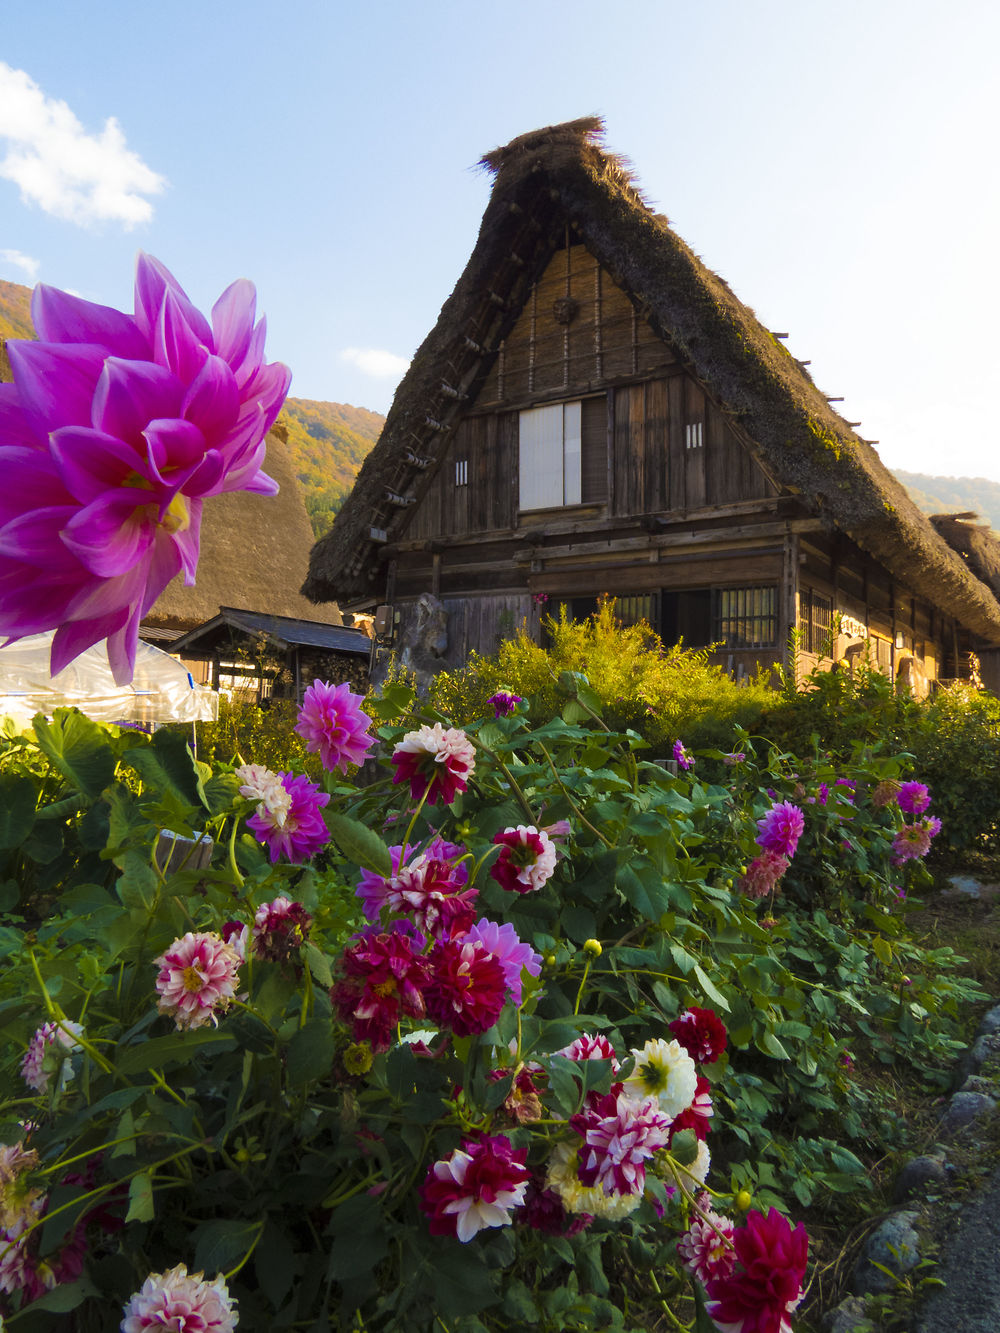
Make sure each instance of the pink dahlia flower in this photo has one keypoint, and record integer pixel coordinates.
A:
(467, 988)
(702, 1033)
(913, 797)
(383, 979)
(476, 1186)
(619, 1134)
(698, 1115)
(280, 929)
(301, 831)
(434, 892)
(198, 977)
(118, 428)
(766, 1286)
(763, 874)
(503, 703)
(180, 1300)
(18, 1253)
(913, 841)
(683, 756)
(435, 760)
(49, 1053)
(781, 828)
(527, 859)
(333, 726)
(706, 1248)
(510, 952)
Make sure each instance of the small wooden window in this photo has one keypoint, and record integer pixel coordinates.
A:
(746, 617)
(694, 435)
(563, 454)
(461, 472)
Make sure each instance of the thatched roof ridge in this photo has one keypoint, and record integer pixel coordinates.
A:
(561, 173)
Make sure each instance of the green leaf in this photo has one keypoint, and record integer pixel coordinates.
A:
(319, 965)
(17, 809)
(713, 993)
(359, 843)
(770, 1045)
(221, 1244)
(310, 1052)
(167, 768)
(65, 1297)
(274, 1263)
(684, 1146)
(177, 1048)
(79, 748)
(137, 884)
(140, 1198)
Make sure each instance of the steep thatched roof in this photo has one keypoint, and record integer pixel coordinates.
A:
(254, 550)
(562, 173)
(976, 543)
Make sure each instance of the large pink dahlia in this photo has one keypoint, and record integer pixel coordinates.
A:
(333, 726)
(182, 1301)
(781, 828)
(476, 1186)
(435, 760)
(766, 1286)
(49, 1052)
(706, 1248)
(118, 427)
(197, 978)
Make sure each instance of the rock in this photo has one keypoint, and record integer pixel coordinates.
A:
(895, 1244)
(984, 1048)
(919, 1177)
(963, 1108)
(989, 1024)
(848, 1317)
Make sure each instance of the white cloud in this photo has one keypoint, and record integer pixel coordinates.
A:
(376, 362)
(15, 259)
(68, 172)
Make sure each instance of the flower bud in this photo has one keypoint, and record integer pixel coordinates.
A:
(593, 947)
(743, 1200)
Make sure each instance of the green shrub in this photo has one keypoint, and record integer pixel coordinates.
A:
(662, 693)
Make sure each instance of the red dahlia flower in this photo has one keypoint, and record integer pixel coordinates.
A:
(435, 893)
(527, 859)
(702, 1033)
(383, 979)
(435, 760)
(280, 929)
(467, 987)
(766, 1286)
(476, 1186)
(118, 427)
(619, 1133)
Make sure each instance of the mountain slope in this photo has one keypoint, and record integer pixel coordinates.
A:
(954, 495)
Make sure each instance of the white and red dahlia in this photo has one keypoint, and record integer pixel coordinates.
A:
(475, 1187)
(436, 760)
(527, 859)
(619, 1135)
(197, 980)
(180, 1300)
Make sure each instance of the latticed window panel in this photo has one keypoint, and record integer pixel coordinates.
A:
(815, 621)
(746, 617)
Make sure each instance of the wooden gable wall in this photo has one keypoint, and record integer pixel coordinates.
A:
(634, 389)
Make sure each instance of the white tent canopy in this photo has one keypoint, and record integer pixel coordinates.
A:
(162, 689)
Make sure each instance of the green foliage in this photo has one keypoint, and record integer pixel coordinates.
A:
(275, 1149)
(661, 693)
(246, 733)
(328, 443)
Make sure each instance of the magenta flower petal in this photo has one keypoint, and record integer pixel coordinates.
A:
(131, 393)
(212, 400)
(153, 281)
(110, 535)
(89, 462)
(233, 320)
(55, 383)
(14, 430)
(59, 317)
(176, 345)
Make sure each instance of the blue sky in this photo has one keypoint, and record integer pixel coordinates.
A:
(835, 162)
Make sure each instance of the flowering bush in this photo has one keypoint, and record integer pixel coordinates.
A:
(482, 1107)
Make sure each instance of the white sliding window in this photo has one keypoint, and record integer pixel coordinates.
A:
(549, 456)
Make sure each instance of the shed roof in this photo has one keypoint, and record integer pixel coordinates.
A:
(284, 631)
(560, 174)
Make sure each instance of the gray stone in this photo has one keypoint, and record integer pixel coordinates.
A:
(919, 1177)
(895, 1244)
(966, 885)
(963, 1108)
(969, 1301)
(989, 1024)
(848, 1317)
(976, 1083)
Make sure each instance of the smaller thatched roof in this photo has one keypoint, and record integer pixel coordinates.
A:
(254, 554)
(562, 174)
(975, 542)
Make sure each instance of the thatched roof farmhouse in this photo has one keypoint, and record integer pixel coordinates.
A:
(595, 412)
